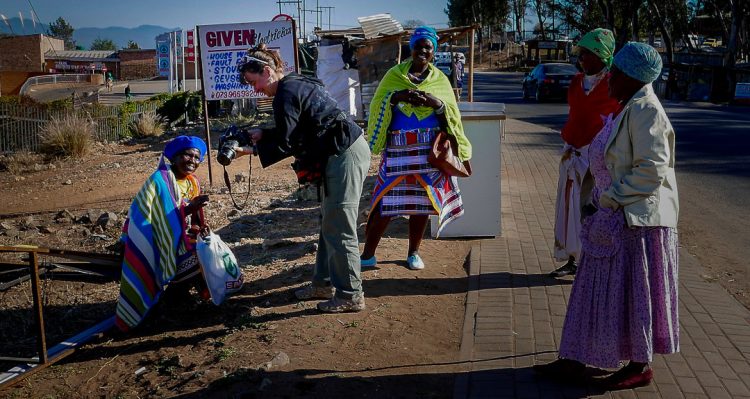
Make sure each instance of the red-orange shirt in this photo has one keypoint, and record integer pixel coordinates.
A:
(585, 116)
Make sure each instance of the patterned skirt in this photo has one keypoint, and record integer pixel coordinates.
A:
(623, 305)
(409, 185)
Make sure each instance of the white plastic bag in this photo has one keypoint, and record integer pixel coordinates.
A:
(219, 267)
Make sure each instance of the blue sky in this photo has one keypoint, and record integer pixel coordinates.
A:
(187, 13)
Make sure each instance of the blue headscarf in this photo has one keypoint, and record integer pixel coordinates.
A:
(182, 143)
(639, 61)
(424, 32)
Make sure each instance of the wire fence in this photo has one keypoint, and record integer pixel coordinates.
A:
(21, 125)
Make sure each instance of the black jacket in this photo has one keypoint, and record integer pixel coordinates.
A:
(309, 123)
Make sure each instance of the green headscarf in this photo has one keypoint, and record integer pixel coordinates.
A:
(601, 42)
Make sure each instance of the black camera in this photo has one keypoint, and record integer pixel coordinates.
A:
(232, 137)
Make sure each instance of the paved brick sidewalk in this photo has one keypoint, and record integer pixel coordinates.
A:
(515, 313)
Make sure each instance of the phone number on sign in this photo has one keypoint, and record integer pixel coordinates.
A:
(232, 94)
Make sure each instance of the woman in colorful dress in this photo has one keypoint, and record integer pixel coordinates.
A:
(623, 305)
(413, 102)
(589, 105)
(159, 242)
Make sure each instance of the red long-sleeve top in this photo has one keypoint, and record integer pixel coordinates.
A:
(586, 111)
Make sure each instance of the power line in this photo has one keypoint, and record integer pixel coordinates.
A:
(329, 14)
(299, 12)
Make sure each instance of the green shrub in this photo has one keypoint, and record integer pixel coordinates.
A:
(160, 98)
(30, 102)
(175, 107)
(69, 136)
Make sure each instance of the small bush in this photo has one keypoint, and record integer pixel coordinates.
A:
(31, 103)
(20, 162)
(148, 124)
(174, 108)
(160, 98)
(69, 136)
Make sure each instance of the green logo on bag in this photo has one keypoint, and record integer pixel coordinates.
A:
(230, 266)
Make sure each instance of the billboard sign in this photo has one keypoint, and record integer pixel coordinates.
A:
(162, 56)
(222, 46)
(178, 45)
(190, 50)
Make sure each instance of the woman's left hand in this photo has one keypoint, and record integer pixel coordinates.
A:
(196, 203)
(430, 100)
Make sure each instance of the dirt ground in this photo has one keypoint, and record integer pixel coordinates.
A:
(261, 342)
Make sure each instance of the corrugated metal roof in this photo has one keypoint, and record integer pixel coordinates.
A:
(379, 24)
(80, 55)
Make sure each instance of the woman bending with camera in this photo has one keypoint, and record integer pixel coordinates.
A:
(324, 141)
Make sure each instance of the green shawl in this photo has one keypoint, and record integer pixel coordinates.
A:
(436, 84)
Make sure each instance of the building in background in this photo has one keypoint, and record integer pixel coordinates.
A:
(22, 57)
(137, 63)
(83, 62)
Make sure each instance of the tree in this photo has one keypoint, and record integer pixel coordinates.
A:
(479, 12)
(580, 15)
(487, 14)
(103, 44)
(542, 10)
(61, 29)
(132, 45)
(413, 23)
(518, 7)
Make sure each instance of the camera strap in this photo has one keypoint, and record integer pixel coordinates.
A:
(229, 185)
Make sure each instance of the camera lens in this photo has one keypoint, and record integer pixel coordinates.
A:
(226, 155)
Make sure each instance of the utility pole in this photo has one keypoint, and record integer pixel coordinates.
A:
(329, 15)
(299, 12)
(317, 17)
(304, 27)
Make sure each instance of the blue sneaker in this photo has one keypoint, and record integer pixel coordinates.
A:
(415, 262)
(372, 262)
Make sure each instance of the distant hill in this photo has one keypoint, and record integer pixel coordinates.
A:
(27, 28)
(144, 35)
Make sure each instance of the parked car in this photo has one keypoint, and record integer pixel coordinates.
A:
(548, 81)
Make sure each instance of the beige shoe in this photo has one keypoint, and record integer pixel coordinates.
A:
(314, 292)
(341, 305)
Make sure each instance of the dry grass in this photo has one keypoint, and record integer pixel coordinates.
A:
(69, 136)
(20, 162)
(149, 124)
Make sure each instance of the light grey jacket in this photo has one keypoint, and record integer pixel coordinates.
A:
(640, 159)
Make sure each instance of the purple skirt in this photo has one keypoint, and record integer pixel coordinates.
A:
(623, 304)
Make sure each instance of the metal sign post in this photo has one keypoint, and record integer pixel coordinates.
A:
(205, 107)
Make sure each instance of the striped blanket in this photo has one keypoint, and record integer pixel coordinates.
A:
(154, 244)
(408, 185)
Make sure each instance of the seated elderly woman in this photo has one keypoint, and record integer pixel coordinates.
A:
(158, 249)
(623, 305)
